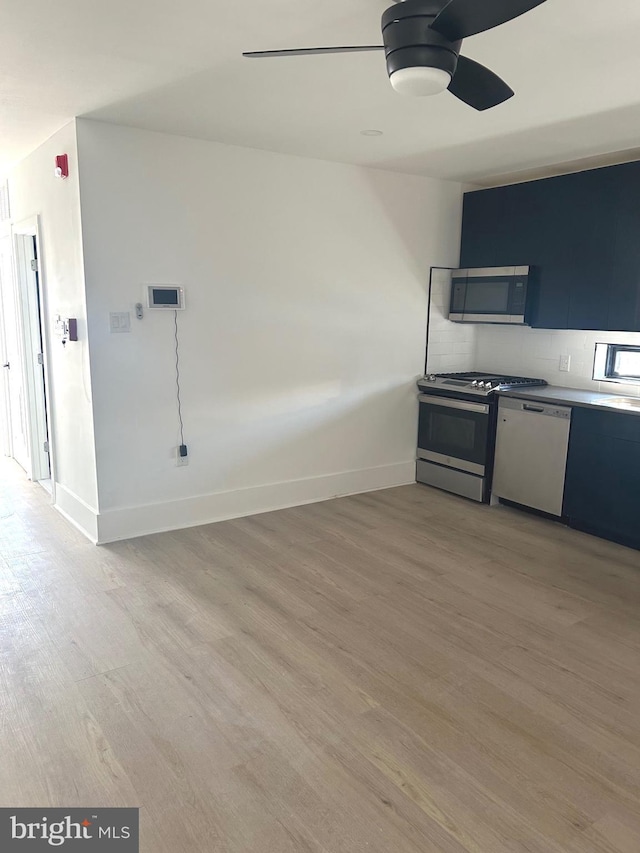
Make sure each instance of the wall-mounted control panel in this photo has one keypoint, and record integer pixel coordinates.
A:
(66, 328)
(165, 297)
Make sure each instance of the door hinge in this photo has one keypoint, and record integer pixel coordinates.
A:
(34, 265)
(45, 446)
(40, 358)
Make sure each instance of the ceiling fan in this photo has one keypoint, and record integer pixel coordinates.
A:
(422, 40)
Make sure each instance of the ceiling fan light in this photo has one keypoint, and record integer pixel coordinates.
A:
(420, 81)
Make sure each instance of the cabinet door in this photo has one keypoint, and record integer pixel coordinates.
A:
(602, 491)
(552, 240)
(624, 279)
(497, 227)
(585, 492)
(591, 200)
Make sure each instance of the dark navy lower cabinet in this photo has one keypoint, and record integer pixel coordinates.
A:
(602, 487)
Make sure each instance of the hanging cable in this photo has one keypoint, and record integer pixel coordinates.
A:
(175, 314)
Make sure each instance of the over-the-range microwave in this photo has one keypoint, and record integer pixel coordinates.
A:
(490, 295)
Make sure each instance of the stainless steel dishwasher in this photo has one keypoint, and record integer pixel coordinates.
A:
(531, 453)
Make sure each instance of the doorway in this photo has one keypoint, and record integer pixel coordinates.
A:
(26, 418)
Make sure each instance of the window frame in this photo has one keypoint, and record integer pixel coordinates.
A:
(612, 355)
(605, 360)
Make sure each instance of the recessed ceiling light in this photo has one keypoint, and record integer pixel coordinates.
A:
(371, 132)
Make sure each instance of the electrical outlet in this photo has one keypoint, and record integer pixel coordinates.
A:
(565, 363)
(181, 461)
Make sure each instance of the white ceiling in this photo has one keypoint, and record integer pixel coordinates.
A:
(177, 67)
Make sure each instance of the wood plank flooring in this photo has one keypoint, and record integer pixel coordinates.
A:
(396, 672)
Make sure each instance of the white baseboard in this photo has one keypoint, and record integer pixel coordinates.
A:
(129, 522)
(79, 513)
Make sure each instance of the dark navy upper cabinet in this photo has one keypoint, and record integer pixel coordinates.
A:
(624, 283)
(580, 232)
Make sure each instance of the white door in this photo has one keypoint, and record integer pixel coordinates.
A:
(33, 356)
(16, 434)
(5, 421)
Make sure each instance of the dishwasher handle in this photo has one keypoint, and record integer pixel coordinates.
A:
(533, 407)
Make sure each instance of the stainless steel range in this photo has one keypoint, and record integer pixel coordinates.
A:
(477, 384)
(457, 429)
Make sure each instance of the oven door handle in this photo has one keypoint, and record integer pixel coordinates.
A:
(447, 403)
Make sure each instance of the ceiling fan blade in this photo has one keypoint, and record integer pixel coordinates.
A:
(477, 86)
(307, 51)
(463, 18)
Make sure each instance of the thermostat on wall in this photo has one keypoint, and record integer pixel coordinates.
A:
(165, 296)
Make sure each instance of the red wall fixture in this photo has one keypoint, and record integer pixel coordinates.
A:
(62, 166)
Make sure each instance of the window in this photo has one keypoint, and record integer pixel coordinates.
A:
(617, 363)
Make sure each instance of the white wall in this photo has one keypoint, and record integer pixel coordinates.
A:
(451, 346)
(536, 352)
(35, 191)
(306, 287)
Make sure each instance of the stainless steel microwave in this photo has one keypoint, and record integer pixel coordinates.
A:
(490, 295)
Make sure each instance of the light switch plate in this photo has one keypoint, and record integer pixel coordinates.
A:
(565, 363)
(119, 321)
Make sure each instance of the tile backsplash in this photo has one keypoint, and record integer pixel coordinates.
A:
(537, 353)
(518, 350)
(451, 346)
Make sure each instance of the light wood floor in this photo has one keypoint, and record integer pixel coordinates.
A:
(398, 672)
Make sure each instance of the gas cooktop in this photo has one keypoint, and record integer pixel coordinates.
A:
(482, 384)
